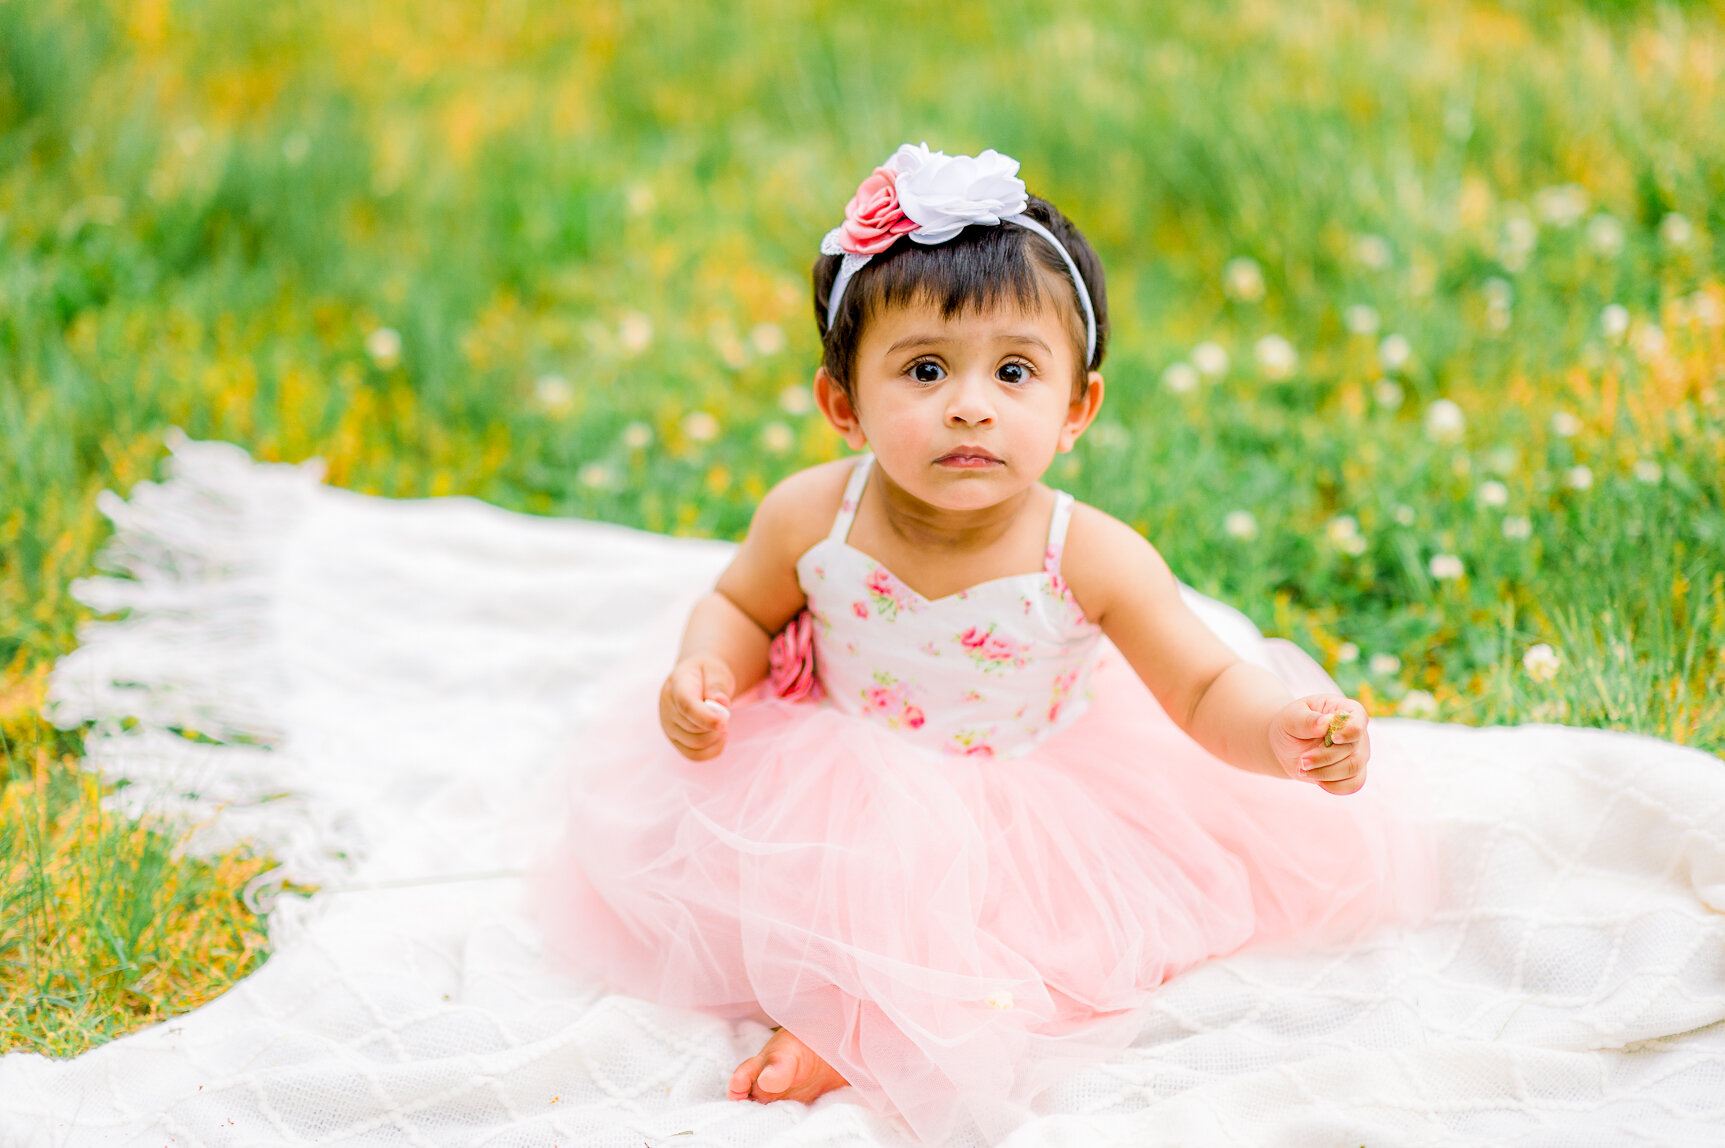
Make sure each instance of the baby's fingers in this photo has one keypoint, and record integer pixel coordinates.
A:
(691, 709)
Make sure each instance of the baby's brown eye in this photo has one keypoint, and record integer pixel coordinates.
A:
(927, 372)
(1011, 373)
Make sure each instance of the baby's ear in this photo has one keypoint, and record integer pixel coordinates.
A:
(1082, 411)
(839, 409)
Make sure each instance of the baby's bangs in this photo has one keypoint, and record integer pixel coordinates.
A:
(974, 273)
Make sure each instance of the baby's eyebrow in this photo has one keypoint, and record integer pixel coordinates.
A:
(910, 341)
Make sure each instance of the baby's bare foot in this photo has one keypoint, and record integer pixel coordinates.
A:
(784, 1069)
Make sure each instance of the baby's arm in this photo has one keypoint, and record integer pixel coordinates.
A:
(724, 651)
(1241, 713)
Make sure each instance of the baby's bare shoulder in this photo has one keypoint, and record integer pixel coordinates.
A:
(799, 511)
(1103, 556)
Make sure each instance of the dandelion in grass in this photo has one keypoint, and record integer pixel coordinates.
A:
(1613, 321)
(1243, 280)
(1647, 471)
(1240, 525)
(1277, 358)
(1445, 422)
(1446, 567)
(1394, 352)
(1387, 393)
(1373, 251)
(1493, 493)
(553, 393)
(767, 338)
(1541, 662)
(1344, 534)
(1180, 378)
(1565, 425)
(1649, 342)
(1210, 359)
(1384, 665)
(700, 426)
(1675, 230)
(384, 347)
(1517, 528)
(1347, 654)
(1605, 235)
(1561, 206)
(1418, 704)
(1515, 246)
(1361, 319)
(776, 438)
(596, 476)
(1404, 515)
(1579, 477)
(634, 332)
(796, 400)
(637, 436)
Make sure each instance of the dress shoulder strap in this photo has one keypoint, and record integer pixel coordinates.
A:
(853, 496)
(1057, 525)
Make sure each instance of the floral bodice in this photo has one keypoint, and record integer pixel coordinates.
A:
(993, 669)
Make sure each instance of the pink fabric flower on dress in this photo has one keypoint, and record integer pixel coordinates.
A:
(873, 217)
(791, 660)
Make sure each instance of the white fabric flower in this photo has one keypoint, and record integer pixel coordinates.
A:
(946, 193)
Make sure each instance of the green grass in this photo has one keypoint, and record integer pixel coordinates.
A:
(208, 207)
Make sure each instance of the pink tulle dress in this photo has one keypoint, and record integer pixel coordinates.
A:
(957, 867)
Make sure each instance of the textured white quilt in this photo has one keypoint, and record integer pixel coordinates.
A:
(395, 683)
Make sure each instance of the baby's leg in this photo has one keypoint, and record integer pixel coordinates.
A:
(784, 1069)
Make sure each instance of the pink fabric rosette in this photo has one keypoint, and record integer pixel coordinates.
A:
(791, 660)
(873, 217)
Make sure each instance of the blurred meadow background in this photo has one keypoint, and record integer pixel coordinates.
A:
(1418, 352)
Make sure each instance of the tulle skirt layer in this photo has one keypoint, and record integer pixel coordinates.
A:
(950, 933)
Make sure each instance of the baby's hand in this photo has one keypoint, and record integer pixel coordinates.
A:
(694, 706)
(1322, 739)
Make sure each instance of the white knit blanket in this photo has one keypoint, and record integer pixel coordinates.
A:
(397, 684)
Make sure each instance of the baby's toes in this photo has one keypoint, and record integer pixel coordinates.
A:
(779, 1074)
(743, 1079)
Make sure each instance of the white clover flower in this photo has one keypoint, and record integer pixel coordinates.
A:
(1387, 393)
(553, 392)
(1180, 378)
(1648, 471)
(1498, 291)
(1517, 528)
(1613, 320)
(1353, 546)
(1565, 425)
(1675, 230)
(796, 400)
(384, 347)
(1541, 662)
(1347, 654)
(1240, 524)
(1561, 206)
(701, 426)
(1404, 515)
(1649, 342)
(637, 435)
(634, 332)
(1372, 251)
(1210, 359)
(1445, 422)
(1342, 527)
(1361, 319)
(1578, 477)
(767, 338)
(1384, 664)
(1605, 235)
(1243, 279)
(1493, 493)
(1515, 247)
(595, 476)
(1445, 567)
(1418, 704)
(1277, 358)
(1394, 352)
(776, 438)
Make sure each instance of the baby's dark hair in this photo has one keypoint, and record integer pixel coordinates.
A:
(975, 270)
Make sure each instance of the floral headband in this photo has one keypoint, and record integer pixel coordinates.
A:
(932, 196)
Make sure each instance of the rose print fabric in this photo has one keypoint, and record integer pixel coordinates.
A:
(992, 670)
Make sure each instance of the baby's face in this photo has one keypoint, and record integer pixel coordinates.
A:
(968, 411)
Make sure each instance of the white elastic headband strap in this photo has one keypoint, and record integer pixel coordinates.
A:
(854, 263)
